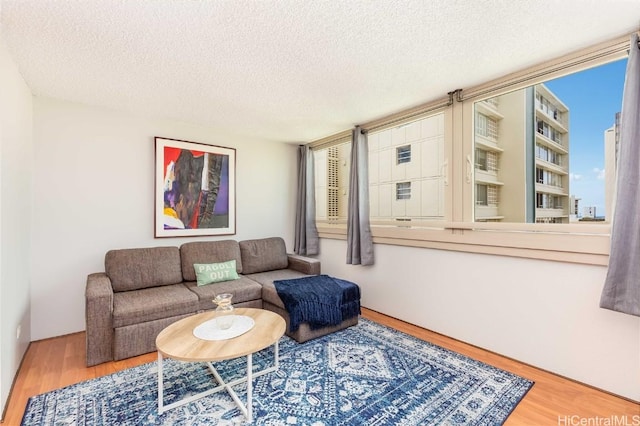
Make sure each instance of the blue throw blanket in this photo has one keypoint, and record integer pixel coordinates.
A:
(319, 300)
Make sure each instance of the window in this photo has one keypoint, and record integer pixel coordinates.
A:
(551, 146)
(492, 195)
(403, 191)
(406, 171)
(492, 161)
(331, 169)
(481, 159)
(481, 195)
(403, 154)
(549, 155)
(525, 168)
(487, 126)
(547, 177)
(548, 201)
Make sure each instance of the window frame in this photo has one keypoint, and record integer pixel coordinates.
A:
(482, 194)
(403, 190)
(403, 154)
(577, 243)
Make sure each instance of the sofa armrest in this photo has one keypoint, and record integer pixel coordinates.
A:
(99, 319)
(303, 264)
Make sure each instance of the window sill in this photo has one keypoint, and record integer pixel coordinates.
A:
(545, 244)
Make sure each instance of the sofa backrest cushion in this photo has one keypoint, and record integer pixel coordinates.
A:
(267, 254)
(208, 252)
(133, 269)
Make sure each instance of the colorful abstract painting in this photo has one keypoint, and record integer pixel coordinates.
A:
(195, 189)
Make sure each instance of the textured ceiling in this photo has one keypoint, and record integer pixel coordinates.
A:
(289, 70)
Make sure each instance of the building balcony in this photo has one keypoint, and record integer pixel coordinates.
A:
(553, 167)
(546, 141)
(485, 213)
(548, 189)
(487, 143)
(556, 122)
(551, 213)
(488, 109)
(487, 177)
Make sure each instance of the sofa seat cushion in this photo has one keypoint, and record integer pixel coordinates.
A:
(149, 304)
(134, 269)
(208, 252)
(269, 293)
(266, 254)
(243, 290)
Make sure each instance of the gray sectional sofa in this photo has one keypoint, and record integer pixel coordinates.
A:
(143, 290)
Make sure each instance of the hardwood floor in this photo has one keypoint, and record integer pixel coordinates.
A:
(57, 362)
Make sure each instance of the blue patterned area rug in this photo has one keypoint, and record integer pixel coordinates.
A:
(365, 375)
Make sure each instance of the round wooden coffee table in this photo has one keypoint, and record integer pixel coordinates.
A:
(177, 341)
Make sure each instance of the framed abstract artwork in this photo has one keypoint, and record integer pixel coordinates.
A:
(194, 189)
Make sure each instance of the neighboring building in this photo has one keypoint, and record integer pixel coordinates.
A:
(574, 208)
(589, 212)
(406, 163)
(611, 142)
(406, 180)
(528, 130)
(490, 137)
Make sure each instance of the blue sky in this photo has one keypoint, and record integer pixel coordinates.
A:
(593, 97)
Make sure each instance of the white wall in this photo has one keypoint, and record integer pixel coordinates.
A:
(16, 165)
(540, 312)
(93, 192)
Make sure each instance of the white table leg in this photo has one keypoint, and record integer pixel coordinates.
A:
(246, 410)
(249, 387)
(160, 384)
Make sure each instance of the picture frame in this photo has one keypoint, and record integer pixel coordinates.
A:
(194, 189)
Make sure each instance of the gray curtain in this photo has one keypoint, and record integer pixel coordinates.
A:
(306, 236)
(622, 286)
(359, 240)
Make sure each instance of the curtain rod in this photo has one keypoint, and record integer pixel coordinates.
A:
(335, 139)
(388, 121)
(601, 51)
(407, 115)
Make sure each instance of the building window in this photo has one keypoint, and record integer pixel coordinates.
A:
(492, 161)
(481, 159)
(482, 195)
(549, 201)
(493, 195)
(403, 190)
(547, 154)
(403, 154)
(547, 177)
(486, 126)
(550, 132)
(416, 189)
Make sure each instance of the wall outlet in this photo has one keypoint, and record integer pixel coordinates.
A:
(18, 331)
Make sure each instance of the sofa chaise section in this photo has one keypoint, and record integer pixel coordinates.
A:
(278, 265)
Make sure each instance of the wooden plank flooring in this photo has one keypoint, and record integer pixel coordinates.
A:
(57, 362)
